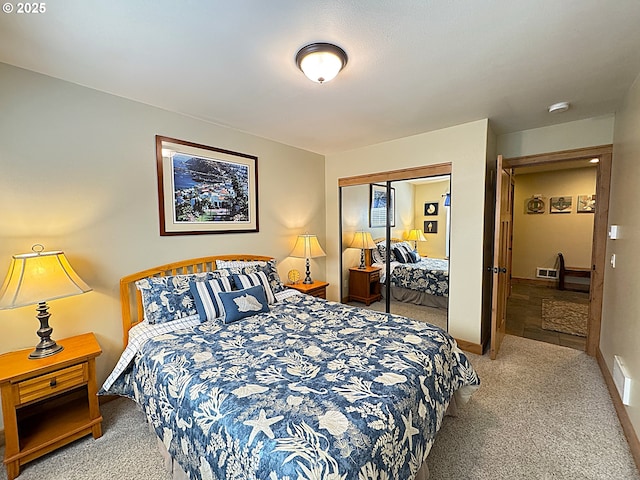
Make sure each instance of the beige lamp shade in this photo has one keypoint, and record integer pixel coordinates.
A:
(39, 277)
(416, 235)
(307, 246)
(362, 240)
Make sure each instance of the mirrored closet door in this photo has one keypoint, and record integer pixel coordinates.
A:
(397, 230)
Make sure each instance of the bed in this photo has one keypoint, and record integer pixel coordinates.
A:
(304, 389)
(421, 281)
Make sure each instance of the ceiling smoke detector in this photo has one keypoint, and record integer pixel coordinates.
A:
(559, 107)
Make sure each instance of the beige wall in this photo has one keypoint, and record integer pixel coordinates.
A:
(564, 136)
(621, 307)
(436, 245)
(78, 174)
(465, 147)
(537, 238)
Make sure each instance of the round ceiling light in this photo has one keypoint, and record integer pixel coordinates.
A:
(559, 107)
(321, 62)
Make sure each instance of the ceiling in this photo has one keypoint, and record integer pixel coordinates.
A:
(414, 65)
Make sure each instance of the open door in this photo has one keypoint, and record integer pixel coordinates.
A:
(501, 268)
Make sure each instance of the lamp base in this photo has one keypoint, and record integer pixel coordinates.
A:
(307, 278)
(42, 352)
(47, 345)
(362, 265)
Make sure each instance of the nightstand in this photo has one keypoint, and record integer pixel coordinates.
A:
(316, 289)
(48, 402)
(364, 284)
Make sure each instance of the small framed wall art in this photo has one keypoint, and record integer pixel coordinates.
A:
(586, 204)
(561, 204)
(430, 226)
(430, 209)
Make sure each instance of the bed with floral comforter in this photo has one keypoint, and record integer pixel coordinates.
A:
(309, 390)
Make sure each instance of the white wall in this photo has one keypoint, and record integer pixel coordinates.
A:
(78, 173)
(465, 147)
(589, 132)
(620, 330)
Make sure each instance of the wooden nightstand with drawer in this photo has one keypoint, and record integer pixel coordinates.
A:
(315, 289)
(364, 284)
(48, 402)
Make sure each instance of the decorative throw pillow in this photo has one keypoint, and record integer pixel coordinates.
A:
(205, 295)
(170, 298)
(403, 253)
(376, 256)
(239, 304)
(253, 279)
(252, 266)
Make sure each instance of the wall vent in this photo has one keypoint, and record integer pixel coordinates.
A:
(546, 272)
(621, 379)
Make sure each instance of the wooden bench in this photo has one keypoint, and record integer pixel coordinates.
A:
(565, 271)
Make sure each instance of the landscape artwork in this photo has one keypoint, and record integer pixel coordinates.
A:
(205, 189)
(209, 190)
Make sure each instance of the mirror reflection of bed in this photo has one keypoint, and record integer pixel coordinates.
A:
(420, 225)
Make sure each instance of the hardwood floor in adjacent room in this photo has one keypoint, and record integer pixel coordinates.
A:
(524, 314)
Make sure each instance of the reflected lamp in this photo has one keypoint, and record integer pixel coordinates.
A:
(416, 236)
(363, 241)
(36, 278)
(307, 247)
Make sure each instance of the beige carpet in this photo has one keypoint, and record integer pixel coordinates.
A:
(566, 317)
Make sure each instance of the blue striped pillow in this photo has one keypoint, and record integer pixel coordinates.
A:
(206, 297)
(403, 253)
(252, 280)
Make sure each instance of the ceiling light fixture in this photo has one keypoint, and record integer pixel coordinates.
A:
(559, 107)
(321, 62)
(594, 160)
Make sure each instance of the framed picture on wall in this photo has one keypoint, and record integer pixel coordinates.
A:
(586, 204)
(204, 189)
(430, 226)
(560, 204)
(430, 208)
(378, 205)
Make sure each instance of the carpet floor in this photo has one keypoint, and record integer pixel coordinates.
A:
(542, 412)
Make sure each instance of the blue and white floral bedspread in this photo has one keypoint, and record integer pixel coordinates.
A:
(311, 390)
(429, 275)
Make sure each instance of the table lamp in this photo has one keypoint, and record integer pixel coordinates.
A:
(36, 278)
(417, 236)
(363, 241)
(307, 247)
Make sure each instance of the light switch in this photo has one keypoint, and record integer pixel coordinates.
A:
(613, 260)
(614, 232)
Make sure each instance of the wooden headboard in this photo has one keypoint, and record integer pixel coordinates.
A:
(393, 240)
(131, 299)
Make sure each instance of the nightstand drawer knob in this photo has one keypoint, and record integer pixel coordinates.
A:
(53, 382)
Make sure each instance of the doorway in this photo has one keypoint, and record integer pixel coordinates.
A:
(562, 160)
(553, 219)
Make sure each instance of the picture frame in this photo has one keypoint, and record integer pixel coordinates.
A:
(205, 190)
(378, 205)
(561, 204)
(586, 204)
(430, 209)
(534, 205)
(430, 226)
